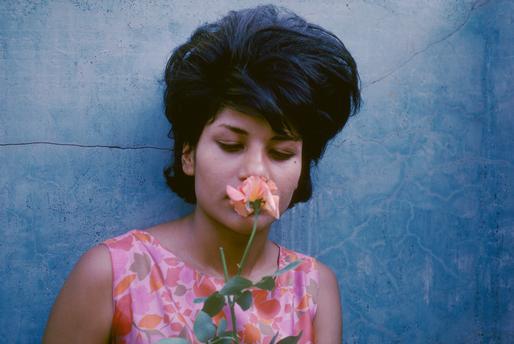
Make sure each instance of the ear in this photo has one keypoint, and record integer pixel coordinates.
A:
(188, 160)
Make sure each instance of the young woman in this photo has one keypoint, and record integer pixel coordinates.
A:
(258, 93)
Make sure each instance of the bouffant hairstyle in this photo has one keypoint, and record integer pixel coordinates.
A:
(265, 61)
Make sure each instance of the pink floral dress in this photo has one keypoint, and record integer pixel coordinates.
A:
(153, 293)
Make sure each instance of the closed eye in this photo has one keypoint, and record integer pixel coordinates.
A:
(281, 156)
(230, 147)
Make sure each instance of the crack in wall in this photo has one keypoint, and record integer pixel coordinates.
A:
(82, 145)
(474, 6)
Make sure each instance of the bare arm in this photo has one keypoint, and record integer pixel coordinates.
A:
(328, 322)
(83, 310)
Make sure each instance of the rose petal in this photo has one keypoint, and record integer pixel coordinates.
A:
(271, 206)
(241, 208)
(272, 186)
(234, 194)
(277, 208)
(253, 188)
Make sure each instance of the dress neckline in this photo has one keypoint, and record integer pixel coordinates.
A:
(280, 259)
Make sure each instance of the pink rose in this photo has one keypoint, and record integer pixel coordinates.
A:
(254, 189)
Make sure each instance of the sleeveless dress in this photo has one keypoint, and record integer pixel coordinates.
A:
(154, 292)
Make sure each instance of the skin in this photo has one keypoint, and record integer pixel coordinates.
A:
(231, 148)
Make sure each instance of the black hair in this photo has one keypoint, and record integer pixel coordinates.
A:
(263, 61)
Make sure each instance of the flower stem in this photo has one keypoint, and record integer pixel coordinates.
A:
(240, 266)
(233, 317)
(224, 263)
(250, 241)
(230, 300)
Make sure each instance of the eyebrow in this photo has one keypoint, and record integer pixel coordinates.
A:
(240, 131)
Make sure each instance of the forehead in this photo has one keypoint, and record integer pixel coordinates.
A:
(232, 120)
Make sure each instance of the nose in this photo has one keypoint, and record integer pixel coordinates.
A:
(254, 164)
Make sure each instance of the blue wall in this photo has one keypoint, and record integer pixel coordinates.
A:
(414, 202)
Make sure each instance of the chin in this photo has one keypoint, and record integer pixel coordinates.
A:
(244, 225)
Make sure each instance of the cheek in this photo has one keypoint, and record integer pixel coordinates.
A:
(287, 182)
(295, 172)
(211, 175)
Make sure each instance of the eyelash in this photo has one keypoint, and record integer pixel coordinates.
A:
(230, 147)
(236, 147)
(280, 156)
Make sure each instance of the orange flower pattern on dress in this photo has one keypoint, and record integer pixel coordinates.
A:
(154, 293)
(252, 189)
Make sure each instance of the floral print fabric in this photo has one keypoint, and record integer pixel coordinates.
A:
(153, 293)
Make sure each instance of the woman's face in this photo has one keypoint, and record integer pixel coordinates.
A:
(230, 149)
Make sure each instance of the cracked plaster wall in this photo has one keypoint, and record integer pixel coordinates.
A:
(413, 204)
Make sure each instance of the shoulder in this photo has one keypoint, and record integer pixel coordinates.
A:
(93, 269)
(327, 277)
(83, 308)
(95, 263)
(92, 275)
(328, 320)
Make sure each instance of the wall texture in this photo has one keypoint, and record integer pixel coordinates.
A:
(414, 202)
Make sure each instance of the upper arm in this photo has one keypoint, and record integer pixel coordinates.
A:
(83, 310)
(328, 320)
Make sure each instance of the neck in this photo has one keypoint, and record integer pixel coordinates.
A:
(206, 236)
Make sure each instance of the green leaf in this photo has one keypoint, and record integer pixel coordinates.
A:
(290, 266)
(214, 304)
(244, 300)
(235, 285)
(222, 326)
(173, 341)
(266, 283)
(290, 339)
(204, 328)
